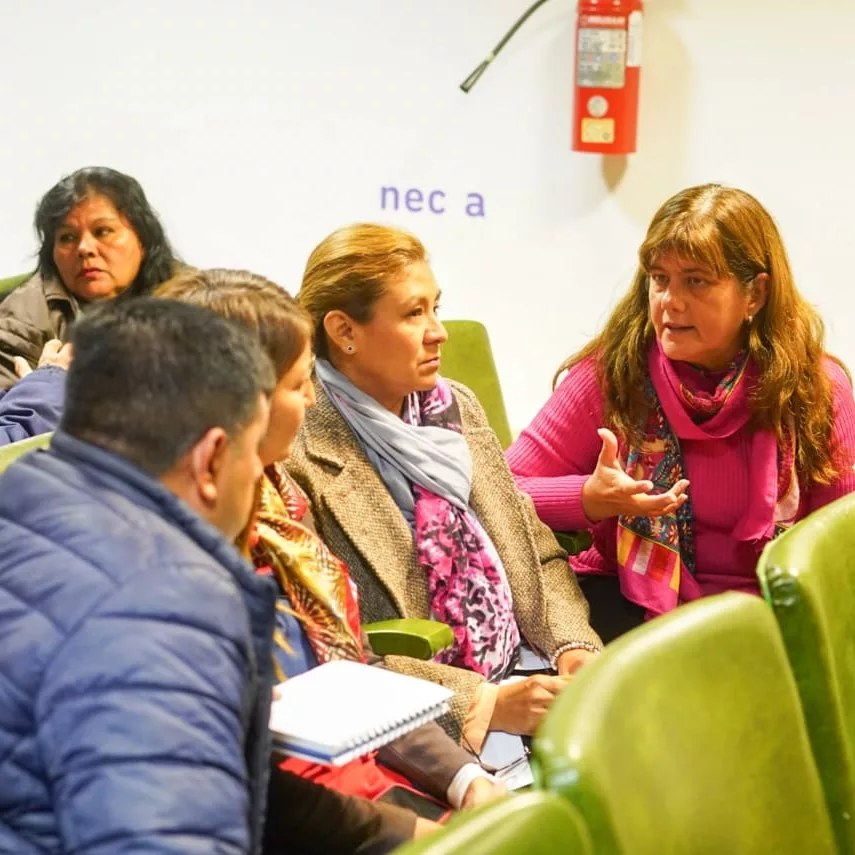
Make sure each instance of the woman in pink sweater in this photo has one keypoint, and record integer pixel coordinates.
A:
(705, 417)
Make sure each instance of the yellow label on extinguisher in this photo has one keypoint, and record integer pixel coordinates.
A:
(598, 131)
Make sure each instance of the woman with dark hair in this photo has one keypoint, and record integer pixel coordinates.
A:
(99, 239)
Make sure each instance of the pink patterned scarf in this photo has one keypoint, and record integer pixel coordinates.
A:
(656, 553)
(424, 462)
(468, 590)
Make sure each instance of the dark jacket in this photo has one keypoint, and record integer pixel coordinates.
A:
(29, 316)
(33, 405)
(135, 664)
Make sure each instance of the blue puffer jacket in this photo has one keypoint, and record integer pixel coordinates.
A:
(135, 666)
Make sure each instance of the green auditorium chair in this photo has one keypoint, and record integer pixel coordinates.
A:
(10, 453)
(7, 285)
(808, 576)
(534, 823)
(468, 358)
(686, 737)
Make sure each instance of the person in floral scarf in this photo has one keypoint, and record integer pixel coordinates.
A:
(705, 418)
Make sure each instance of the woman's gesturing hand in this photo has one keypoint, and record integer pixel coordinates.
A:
(610, 492)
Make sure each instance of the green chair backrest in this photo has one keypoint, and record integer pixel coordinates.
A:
(468, 358)
(685, 736)
(10, 453)
(534, 823)
(12, 282)
(808, 576)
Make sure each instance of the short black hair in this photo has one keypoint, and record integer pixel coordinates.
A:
(150, 376)
(159, 261)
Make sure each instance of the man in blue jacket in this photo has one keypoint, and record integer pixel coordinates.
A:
(135, 665)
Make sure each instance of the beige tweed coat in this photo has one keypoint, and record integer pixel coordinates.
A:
(360, 522)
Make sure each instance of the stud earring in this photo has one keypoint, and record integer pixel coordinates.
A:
(349, 349)
(750, 318)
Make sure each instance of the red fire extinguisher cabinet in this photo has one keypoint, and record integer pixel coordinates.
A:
(607, 74)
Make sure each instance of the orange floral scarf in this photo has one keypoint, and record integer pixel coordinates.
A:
(316, 583)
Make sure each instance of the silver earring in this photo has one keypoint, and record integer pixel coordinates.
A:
(750, 318)
(349, 349)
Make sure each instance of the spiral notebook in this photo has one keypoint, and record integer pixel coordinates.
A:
(342, 710)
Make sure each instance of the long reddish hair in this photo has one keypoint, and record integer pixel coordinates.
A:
(731, 233)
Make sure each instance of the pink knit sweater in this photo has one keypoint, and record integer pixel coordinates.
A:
(554, 456)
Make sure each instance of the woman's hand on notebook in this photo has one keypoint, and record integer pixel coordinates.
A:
(521, 705)
(481, 791)
(610, 492)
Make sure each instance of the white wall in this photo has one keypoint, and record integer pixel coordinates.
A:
(258, 127)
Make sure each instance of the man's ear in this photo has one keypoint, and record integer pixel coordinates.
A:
(338, 326)
(205, 459)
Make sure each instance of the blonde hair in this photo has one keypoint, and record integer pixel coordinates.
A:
(350, 269)
(731, 233)
(282, 325)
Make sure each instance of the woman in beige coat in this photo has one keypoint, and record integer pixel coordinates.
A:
(409, 487)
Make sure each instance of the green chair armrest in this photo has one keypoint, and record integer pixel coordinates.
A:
(421, 639)
(573, 542)
(10, 453)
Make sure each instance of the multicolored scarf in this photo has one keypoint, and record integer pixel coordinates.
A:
(315, 582)
(654, 553)
(323, 599)
(424, 461)
(467, 589)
